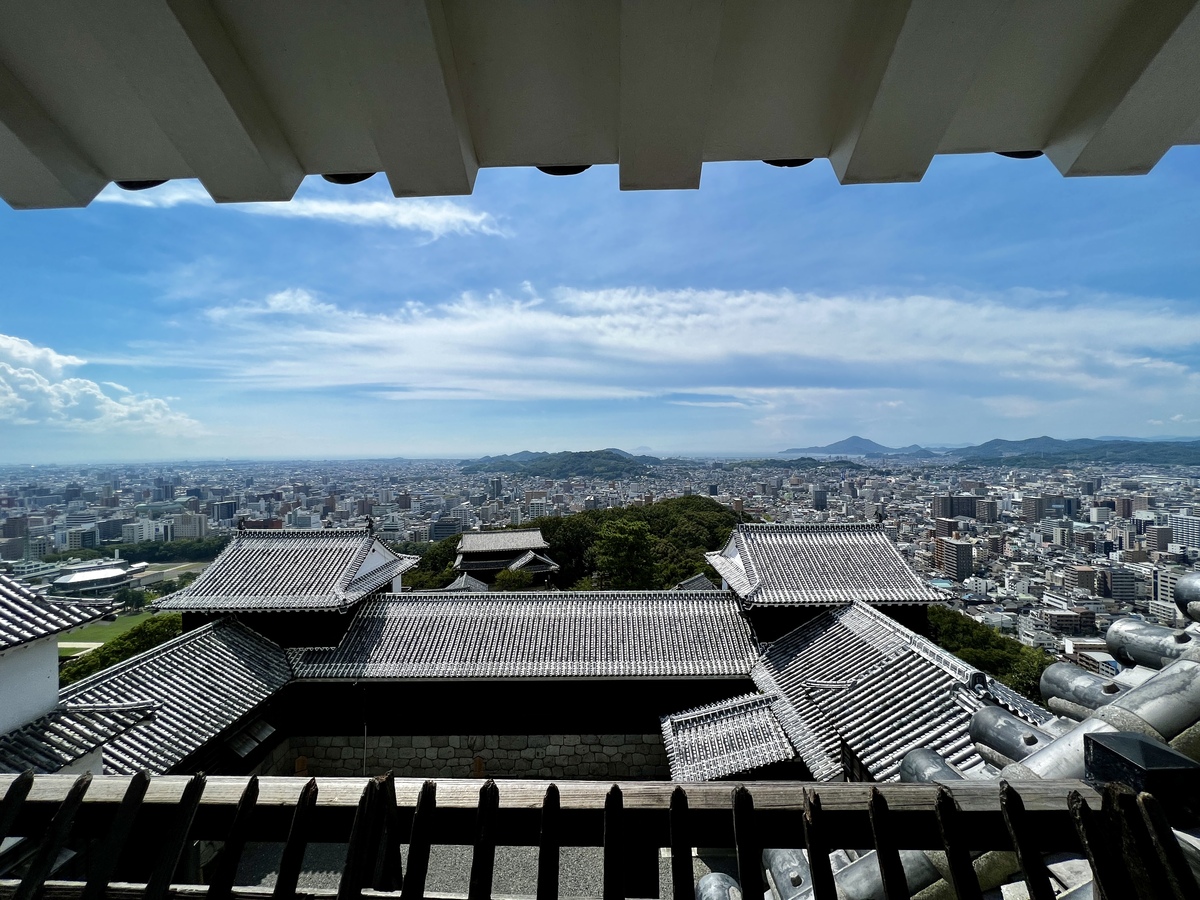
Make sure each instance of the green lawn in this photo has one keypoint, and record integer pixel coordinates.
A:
(105, 631)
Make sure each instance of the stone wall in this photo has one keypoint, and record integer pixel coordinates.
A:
(587, 756)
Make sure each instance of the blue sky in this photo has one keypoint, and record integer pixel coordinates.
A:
(773, 308)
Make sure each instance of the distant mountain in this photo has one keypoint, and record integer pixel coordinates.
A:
(1052, 451)
(859, 446)
(610, 463)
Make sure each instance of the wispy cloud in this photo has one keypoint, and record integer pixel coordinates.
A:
(435, 218)
(35, 390)
(777, 359)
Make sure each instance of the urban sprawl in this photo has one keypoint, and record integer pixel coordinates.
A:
(1051, 557)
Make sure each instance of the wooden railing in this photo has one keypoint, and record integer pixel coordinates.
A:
(131, 834)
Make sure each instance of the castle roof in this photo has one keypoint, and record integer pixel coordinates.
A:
(26, 616)
(817, 565)
(201, 683)
(275, 571)
(659, 634)
(725, 738)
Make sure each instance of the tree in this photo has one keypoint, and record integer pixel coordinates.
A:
(142, 637)
(508, 580)
(1011, 662)
(624, 555)
(436, 568)
(131, 598)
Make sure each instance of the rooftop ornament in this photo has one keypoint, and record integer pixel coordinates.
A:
(563, 170)
(347, 177)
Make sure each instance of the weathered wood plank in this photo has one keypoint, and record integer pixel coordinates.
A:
(614, 845)
(483, 854)
(104, 863)
(958, 857)
(224, 868)
(419, 842)
(175, 840)
(682, 878)
(297, 839)
(895, 884)
(548, 847)
(1024, 842)
(54, 841)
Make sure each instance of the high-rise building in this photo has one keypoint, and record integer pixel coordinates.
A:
(1158, 537)
(1033, 508)
(955, 558)
(190, 527)
(1185, 530)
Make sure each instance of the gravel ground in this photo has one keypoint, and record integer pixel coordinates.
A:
(579, 874)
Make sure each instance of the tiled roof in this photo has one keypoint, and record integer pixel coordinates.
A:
(26, 616)
(463, 583)
(203, 682)
(725, 738)
(271, 570)
(698, 582)
(67, 734)
(817, 565)
(883, 689)
(502, 540)
(560, 635)
(533, 562)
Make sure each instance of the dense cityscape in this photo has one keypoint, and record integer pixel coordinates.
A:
(1051, 557)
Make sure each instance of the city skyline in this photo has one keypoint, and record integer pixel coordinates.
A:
(770, 309)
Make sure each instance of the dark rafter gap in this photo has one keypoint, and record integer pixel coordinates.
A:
(958, 857)
(419, 841)
(389, 873)
(10, 806)
(176, 839)
(745, 840)
(224, 868)
(54, 840)
(292, 859)
(1137, 850)
(682, 873)
(1110, 876)
(483, 855)
(1033, 867)
(360, 852)
(1166, 846)
(104, 863)
(548, 846)
(824, 887)
(614, 855)
(887, 854)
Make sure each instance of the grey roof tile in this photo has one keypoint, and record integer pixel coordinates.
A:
(698, 582)
(825, 565)
(274, 571)
(725, 738)
(203, 682)
(554, 635)
(26, 616)
(880, 688)
(67, 734)
(502, 540)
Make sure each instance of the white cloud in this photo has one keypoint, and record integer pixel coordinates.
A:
(779, 360)
(21, 352)
(435, 218)
(34, 390)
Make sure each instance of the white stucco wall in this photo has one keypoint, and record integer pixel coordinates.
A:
(91, 762)
(28, 682)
